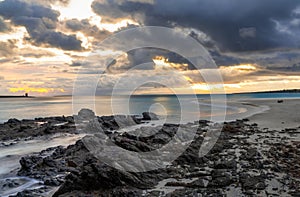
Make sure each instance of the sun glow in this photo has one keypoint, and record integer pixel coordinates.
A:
(163, 63)
(225, 71)
(35, 90)
(240, 68)
(75, 9)
(79, 10)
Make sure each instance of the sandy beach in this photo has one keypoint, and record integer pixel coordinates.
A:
(279, 116)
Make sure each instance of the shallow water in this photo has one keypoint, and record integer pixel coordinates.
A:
(23, 183)
(174, 107)
(10, 156)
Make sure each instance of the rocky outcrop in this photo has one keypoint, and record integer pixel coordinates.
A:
(149, 116)
(245, 161)
(15, 129)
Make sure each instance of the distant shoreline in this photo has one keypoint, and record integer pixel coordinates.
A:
(275, 91)
(16, 96)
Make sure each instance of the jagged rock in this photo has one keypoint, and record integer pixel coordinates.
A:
(234, 161)
(13, 121)
(252, 182)
(225, 164)
(149, 116)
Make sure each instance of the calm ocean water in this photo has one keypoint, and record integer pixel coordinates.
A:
(29, 108)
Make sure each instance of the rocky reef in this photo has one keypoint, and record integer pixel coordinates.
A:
(245, 161)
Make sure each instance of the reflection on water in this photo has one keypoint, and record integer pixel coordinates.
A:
(10, 156)
(173, 106)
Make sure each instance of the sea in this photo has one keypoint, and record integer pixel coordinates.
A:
(172, 107)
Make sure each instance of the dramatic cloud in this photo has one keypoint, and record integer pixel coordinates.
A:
(235, 25)
(40, 23)
(77, 25)
(294, 68)
(44, 43)
(248, 32)
(16, 8)
(6, 48)
(49, 2)
(86, 28)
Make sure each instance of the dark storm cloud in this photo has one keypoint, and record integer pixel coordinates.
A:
(292, 68)
(142, 59)
(86, 28)
(225, 60)
(49, 2)
(108, 10)
(40, 22)
(16, 8)
(42, 35)
(76, 25)
(236, 25)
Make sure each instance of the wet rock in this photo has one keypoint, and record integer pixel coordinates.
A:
(72, 163)
(221, 178)
(97, 176)
(252, 182)
(199, 183)
(225, 164)
(149, 116)
(86, 114)
(13, 121)
(237, 161)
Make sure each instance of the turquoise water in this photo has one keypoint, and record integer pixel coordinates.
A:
(170, 105)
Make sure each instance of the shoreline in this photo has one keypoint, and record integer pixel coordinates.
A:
(17, 97)
(223, 172)
(279, 116)
(260, 113)
(258, 110)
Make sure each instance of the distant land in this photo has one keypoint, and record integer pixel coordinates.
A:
(19, 96)
(274, 91)
(16, 96)
(262, 92)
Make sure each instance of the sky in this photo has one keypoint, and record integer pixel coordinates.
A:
(44, 44)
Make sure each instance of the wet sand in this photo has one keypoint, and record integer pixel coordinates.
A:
(279, 116)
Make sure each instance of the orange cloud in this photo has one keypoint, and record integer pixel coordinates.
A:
(35, 90)
(240, 68)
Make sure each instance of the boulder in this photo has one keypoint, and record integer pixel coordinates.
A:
(149, 116)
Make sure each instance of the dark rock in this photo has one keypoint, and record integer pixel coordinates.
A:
(252, 182)
(13, 121)
(71, 163)
(86, 114)
(225, 164)
(199, 183)
(96, 176)
(149, 116)
(78, 173)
